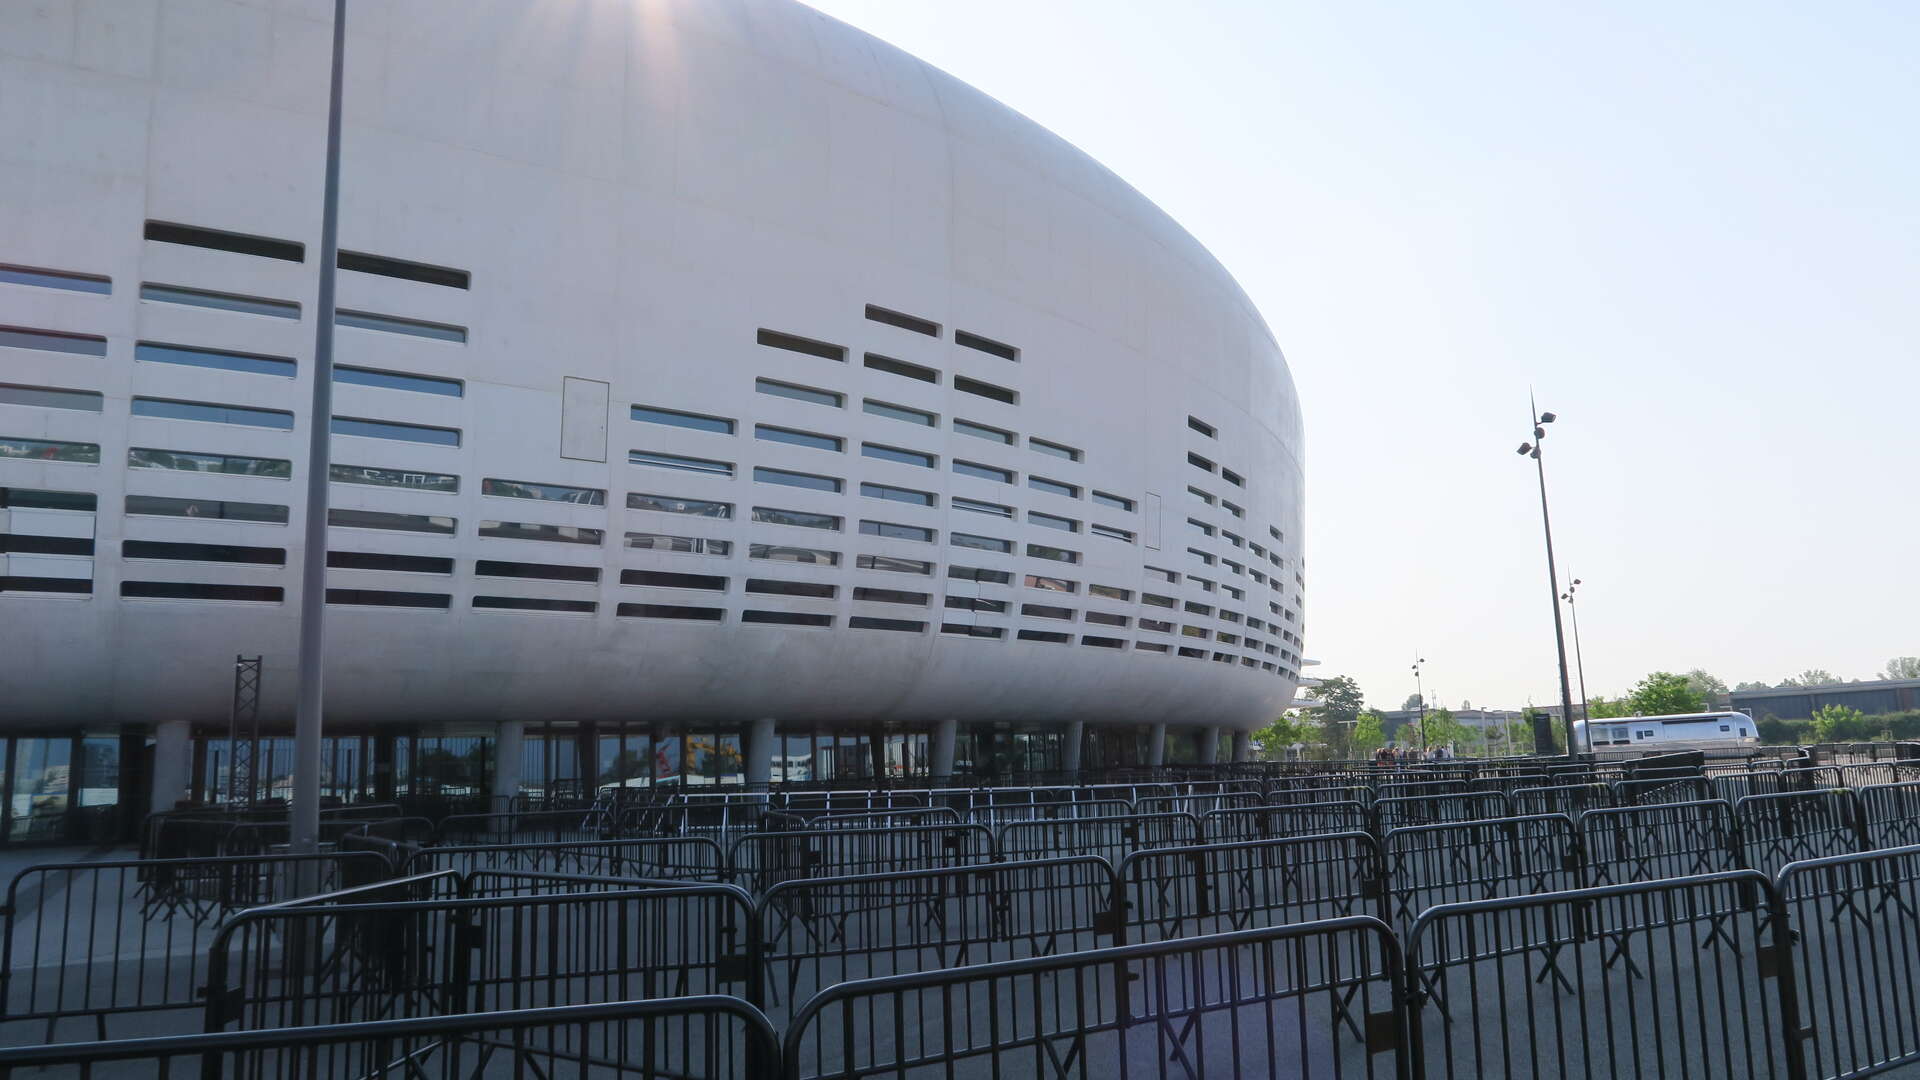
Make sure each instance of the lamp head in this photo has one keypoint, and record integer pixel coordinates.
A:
(1547, 418)
(1525, 449)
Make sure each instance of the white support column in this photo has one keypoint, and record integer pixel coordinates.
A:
(1156, 746)
(760, 743)
(1242, 746)
(172, 763)
(945, 734)
(1209, 745)
(1070, 748)
(509, 762)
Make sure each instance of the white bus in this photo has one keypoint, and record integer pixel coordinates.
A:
(1636, 736)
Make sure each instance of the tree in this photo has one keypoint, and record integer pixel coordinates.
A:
(1338, 712)
(1443, 730)
(1904, 667)
(1706, 684)
(1601, 708)
(1369, 733)
(1412, 703)
(1828, 719)
(1750, 685)
(1662, 693)
(1286, 731)
(1812, 677)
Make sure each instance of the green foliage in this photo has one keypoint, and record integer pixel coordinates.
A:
(1557, 733)
(1904, 667)
(1828, 719)
(1369, 734)
(1602, 709)
(1443, 730)
(1340, 698)
(1286, 730)
(1750, 685)
(1663, 693)
(1855, 728)
(1706, 684)
(1812, 677)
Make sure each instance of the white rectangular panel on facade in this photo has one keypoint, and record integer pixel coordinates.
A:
(1152, 522)
(583, 419)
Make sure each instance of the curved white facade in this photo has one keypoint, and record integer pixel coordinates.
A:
(652, 201)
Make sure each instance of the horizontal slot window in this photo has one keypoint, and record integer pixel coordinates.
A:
(228, 464)
(1196, 654)
(54, 397)
(1202, 527)
(219, 301)
(18, 337)
(774, 339)
(1034, 517)
(1201, 495)
(1232, 477)
(214, 359)
(808, 439)
(981, 543)
(1232, 509)
(1107, 618)
(785, 553)
(266, 247)
(434, 524)
(1112, 533)
(390, 429)
(1199, 462)
(1049, 636)
(1054, 449)
(789, 478)
(868, 622)
(557, 534)
(812, 589)
(900, 412)
(28, 544)
(648, 414)
(217, 553)
(1158, 626)
(410, 479)
(1203, 428)
(992, 633)
(786, 618)
(894, 453)
(1171, 576)
(72, 453)
(1053, 487)
(985, 345)
(897, 494)
(980, 574)
(896, 532)
(55, 279)
(668, 504)
(1194, 632)
(404, 270)
(535, 571)
(208, 412)
(1201, 555)
(395, 380)
(1051, 584)
(17, 498)
(1103, 642)
(983, 472)
(979, 507)
(680, 545)
(1149, 646)
(890, 596)
(654, 459)
(1197, 609)
(658, 579)
(1108, 592)
(982, 431)
(397, 564)
(770, 515)
(1275, 532)
(535, 603)
(903, 321)
(894, 565)
(1046, 611)
(1042, 551)
(193, 590)
(985, 390)
(523, 489)
(977, 603)
(1204, 583)
(63, 586)
(901, 368)
(216, 509)
(393, 598)
(394, 324)
(1114, 501)
(669, 611)
(800, 393)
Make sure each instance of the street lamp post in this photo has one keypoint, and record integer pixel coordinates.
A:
(1540, 421)
(1420, 694)
(1579, 664)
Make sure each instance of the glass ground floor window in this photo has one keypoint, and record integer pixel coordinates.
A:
(60, 788)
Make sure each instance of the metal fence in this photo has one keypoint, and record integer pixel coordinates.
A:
(1210, 888)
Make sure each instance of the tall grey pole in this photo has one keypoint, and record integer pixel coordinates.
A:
(1553, 586)
(313, 568)
(1579, 663)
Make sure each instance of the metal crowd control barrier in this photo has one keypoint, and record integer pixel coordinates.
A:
(1775, 830)
(758, 860)
(101, 939)
(1686, 978)
(996, 816)
(1659, 840)
(1198, 804)
(527, 827)
(1209, 888)
(1271, 822)
(340, 962)
(1478, 860)
(693, 858)
(709, 1037)
(1569, 799)
(792, 821)
(1890, 814)
(1288, 796)
(1305, 1001)
(1110, 838)
(814, 933)
(1857, 960)
(1663, 789)
(1395, 812)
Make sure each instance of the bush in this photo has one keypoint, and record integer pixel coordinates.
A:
(1854, 728)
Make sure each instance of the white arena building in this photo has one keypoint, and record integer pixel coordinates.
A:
(721, 393)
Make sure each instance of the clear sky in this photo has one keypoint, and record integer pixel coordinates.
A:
(1693, 228)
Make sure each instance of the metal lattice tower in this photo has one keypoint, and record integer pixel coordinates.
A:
(243, 733)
